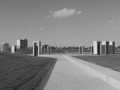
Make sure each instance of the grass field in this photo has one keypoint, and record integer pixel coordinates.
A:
(24, 72)
(112, 61)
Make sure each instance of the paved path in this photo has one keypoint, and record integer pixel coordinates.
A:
(70, 74)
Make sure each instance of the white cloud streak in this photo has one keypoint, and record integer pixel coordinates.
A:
(64, 13)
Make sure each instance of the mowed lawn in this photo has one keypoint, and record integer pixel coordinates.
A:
(24, 72)
(112, 61)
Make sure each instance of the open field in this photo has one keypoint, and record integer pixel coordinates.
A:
(24, 72)
(112, 61)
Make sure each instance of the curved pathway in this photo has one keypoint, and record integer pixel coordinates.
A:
(71, 74)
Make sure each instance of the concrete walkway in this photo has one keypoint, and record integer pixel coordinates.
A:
(71, 74)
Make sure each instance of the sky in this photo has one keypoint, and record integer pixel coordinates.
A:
(60, 22)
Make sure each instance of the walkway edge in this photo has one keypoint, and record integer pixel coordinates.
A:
(106, 78)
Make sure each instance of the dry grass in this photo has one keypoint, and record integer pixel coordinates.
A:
(112, 61)
(23, 72)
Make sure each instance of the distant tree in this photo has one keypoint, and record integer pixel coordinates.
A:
(6, 48)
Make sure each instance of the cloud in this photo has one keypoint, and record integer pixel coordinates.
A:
(42, 28)
(64, 13)
(110, 21)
